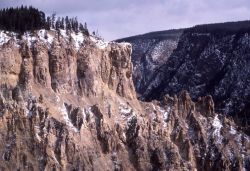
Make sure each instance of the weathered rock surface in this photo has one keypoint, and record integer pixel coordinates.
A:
(208, 60)
(150, 52)
(64, 108)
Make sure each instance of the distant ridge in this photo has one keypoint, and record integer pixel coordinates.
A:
(221, 27)
(157, 34)
(231, 26)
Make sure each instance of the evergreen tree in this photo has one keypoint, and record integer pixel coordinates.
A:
(53, 18)
(62, 23)
(15, 19)
(48, 23)
(23, 19)
(84, 29)
(58, 23)
(75, 24)
(85, 26)
(67, 23)
(81, 28)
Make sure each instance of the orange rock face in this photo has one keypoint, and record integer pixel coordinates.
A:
(64, 108)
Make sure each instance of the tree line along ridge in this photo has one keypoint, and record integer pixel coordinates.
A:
(22, 19)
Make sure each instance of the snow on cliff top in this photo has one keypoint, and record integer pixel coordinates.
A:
(48, 37)
(99, 43)
(5, 36)
(78, 38)
(45, 36)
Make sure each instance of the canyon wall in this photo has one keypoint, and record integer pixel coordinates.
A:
(69, 103)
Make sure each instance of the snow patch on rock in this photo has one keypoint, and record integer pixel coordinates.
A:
(29, 106)
(64, 33)
(89, 114)
(4, 37)
(84, 116)
(78, 38)
(232, 130)
(45, 37)
(125, 110)
(217, 128)
(65, 116)
(37, 131)
(165, 113)
(29, 37)
(99, 43)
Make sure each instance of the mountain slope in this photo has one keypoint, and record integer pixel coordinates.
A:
(209, 59)
(150, 51)
(68, 103)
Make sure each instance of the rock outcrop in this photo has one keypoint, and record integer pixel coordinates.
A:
(66, 105)
(150, 52)
(207, 60)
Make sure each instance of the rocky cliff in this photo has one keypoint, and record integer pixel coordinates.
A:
(67, 102)
(208, 59)
(150, 52)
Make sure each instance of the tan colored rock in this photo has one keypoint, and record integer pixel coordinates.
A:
(63, 108)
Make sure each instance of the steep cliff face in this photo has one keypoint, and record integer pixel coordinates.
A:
(68, 103)
(150, 52)
(209, 60)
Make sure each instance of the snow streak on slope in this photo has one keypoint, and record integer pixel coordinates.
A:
(65, 116)
(78, 38)
(99, 43)
(217, 128)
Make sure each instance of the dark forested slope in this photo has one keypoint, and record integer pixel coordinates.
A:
(150, 51)
(207, 59)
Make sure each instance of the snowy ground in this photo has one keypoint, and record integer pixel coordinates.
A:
(48, 38)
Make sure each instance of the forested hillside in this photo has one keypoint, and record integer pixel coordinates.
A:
(21, 19)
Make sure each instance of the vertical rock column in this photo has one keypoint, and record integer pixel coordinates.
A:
(41, 65)
(26, 73)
